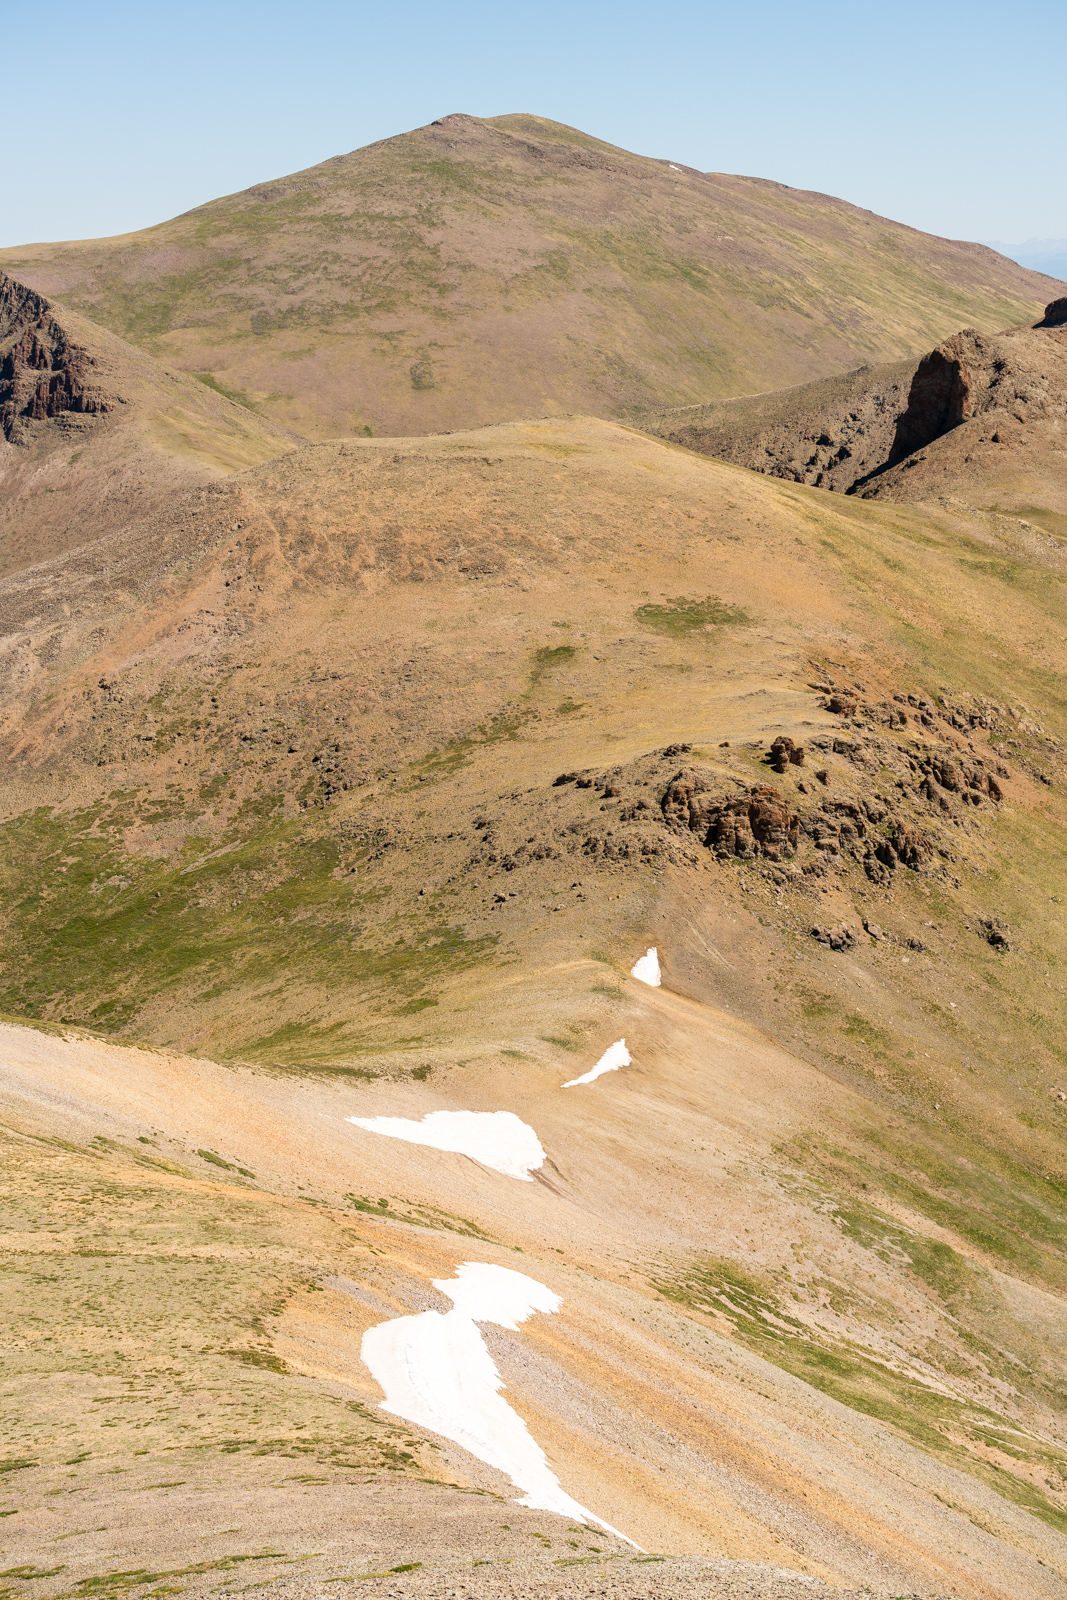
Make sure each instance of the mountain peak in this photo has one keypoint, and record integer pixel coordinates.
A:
(479, 269)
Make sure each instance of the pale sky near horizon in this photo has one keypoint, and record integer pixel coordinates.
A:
(951, 117)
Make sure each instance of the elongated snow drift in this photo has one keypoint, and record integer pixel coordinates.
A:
(498, 1139)
(437, 1373)
(614, 1057)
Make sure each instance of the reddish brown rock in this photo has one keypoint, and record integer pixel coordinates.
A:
(954, 773)
(784, 753)
(757, 824)
(941, 393)
(905, 846)
(688, 802)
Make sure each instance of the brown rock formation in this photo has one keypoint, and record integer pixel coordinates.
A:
(784, 754)
(880, 832)
(839, 938)
(688, 802)
(995, 932)
(971, 397)
(42, 372)
(1055, 314)
(758, 822)
(941, 394)
(968, 779)
(828, 434)
(905, 845)
(903, 430)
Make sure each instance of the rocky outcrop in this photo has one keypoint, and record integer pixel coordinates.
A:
(756, 823)
(784, 753)
(1055, 314)
(901, 845)
(840, 938)
(995, 932)
(42, 372)
(941, 394)
(967, 779)
(891, 820)
(996, 383)
(828, 434)
(760, 824)
(689, 802)
(898, 788)
(858, 433)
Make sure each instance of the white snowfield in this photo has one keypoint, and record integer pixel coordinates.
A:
(647, 969)
(614, 1057)
(498, 1139)
(437, 1374)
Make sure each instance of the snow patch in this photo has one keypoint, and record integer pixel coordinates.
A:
(498, 1139)
(437, 1373)
(615, 1056)
(647, 969)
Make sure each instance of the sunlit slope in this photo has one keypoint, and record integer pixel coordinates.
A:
(850, 1454)
(95, 434)
(475, 270)
(307, 729)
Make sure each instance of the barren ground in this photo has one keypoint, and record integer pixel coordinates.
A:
(353, 784)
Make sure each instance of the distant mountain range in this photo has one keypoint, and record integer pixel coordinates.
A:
(1040, 255)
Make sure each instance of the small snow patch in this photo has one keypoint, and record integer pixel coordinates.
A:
(615, 1056)
(498, 1139)
(437, 1373)
(647, 969)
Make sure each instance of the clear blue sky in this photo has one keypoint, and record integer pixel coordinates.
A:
(948, 116)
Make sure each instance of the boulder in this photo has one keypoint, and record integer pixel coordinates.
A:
(839, 938)
(1055, 314)
(784, 753)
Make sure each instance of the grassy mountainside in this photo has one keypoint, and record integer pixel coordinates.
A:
(476, 270)
(369, 770)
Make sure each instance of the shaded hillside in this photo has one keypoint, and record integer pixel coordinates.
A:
(95, 434)
(476, 270)
(986, 421)
(982, 418)
(827, 434)
(373, 767)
